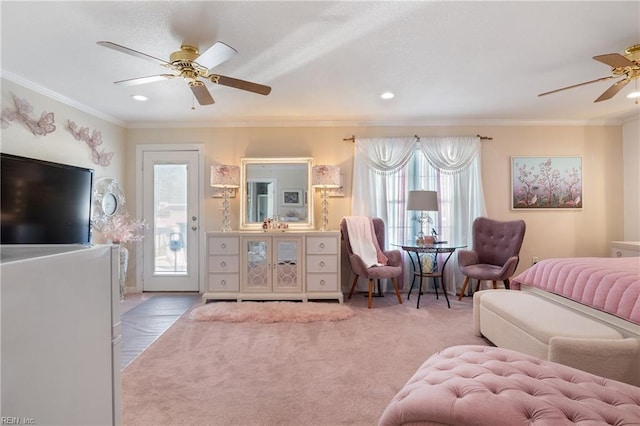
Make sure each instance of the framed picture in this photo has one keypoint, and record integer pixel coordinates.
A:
(219, 193)
(337, 192)
(291, 197)
(546, 183)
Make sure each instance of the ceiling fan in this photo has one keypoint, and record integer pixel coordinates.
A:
(192, 66)
(626, 66)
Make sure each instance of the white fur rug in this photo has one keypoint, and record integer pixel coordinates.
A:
(269, 312)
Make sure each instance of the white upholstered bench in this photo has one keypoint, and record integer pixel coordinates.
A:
(484, 385)
(526, 323)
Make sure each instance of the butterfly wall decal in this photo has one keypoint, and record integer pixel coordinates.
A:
(41, 127)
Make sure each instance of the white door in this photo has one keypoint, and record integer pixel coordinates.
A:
(170, 205)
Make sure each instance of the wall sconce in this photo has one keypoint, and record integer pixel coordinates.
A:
(227, 178)
(325, 177)
(423, 201)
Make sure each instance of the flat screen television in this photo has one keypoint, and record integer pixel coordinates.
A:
(44, 202)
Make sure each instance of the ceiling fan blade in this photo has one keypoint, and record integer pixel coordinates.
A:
(145, 80)
(611, 91)
(579, 84)
(614, 60)
(131, 52)
(240, 84)
(201, 93)
(215, 55)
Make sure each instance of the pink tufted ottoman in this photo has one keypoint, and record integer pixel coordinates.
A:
(484, 385)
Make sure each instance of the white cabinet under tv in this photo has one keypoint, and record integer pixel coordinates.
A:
(60, 346)
(257, 265)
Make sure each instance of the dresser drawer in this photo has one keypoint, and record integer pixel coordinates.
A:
(224, 282)
(223, 264)
(322, 245)
(223, 245)
(322, 282)
(322, 264)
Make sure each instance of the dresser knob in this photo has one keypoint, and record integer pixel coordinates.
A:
(223, 245)
(223, 264)
(223, 282)
(322, 264)
(618, 253)
(322, 282)
(321, 245)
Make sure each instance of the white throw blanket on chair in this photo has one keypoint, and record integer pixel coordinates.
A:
(363, 240)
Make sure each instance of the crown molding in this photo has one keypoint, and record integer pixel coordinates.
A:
(60, 98)
(283, 122)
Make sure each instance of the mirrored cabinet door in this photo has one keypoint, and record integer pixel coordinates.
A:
(287, 275)
(256, 262)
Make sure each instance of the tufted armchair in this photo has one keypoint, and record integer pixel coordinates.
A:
(495, 253)
(391, 271)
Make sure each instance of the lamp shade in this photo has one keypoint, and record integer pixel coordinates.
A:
(325, 176)
(423, 201)
(225, 176)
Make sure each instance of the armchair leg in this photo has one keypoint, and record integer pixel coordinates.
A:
(395, 288)
(353, 286)
(495, 285)
(464, 287)
(370, 292)
(506, 284)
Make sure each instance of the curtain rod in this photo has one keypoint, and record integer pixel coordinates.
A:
(482, 138)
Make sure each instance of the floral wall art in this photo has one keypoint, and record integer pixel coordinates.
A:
(546, 182)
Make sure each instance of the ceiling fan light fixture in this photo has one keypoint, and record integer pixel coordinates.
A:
(140, 98)
(387, 95)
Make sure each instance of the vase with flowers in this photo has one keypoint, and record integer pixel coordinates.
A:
(122, 229)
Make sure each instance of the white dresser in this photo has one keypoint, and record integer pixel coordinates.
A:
(257, 265)
(625, 248)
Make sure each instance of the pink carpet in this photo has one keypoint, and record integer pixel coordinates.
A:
(269, 312)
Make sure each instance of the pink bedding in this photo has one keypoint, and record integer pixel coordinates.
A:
(611, 285)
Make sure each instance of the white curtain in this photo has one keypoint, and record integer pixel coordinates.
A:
(457, 161)
(381, 182)
(375, 160)
(379, 187)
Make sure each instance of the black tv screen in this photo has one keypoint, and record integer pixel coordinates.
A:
(44, 202)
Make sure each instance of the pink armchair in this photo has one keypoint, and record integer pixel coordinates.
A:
(391, 271)
(495, 253)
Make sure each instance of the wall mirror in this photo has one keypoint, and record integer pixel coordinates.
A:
(271, 187)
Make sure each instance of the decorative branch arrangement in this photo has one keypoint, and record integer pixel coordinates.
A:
(41, 127)
(101, 158)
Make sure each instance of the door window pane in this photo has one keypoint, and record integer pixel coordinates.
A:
(170, 219)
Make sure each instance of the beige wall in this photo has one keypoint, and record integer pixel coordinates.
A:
(631, 155)
(550, 233)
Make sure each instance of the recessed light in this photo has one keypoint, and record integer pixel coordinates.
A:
(387, 95)
(634, 95)
(140, 98)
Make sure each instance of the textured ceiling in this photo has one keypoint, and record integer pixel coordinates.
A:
(328, 62)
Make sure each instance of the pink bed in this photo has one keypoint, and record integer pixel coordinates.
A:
(610, 285)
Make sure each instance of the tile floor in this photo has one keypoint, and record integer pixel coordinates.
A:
(146, 316)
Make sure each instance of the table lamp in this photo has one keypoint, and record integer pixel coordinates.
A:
(325, 177)
(227, 178)
(423, 201)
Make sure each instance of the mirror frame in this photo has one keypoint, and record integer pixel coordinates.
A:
(244, 162)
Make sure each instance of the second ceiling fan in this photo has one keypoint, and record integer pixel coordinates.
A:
(626, 66)
(191, 65)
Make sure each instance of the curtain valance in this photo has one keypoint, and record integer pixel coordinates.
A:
(450, 154)
(385, 155)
